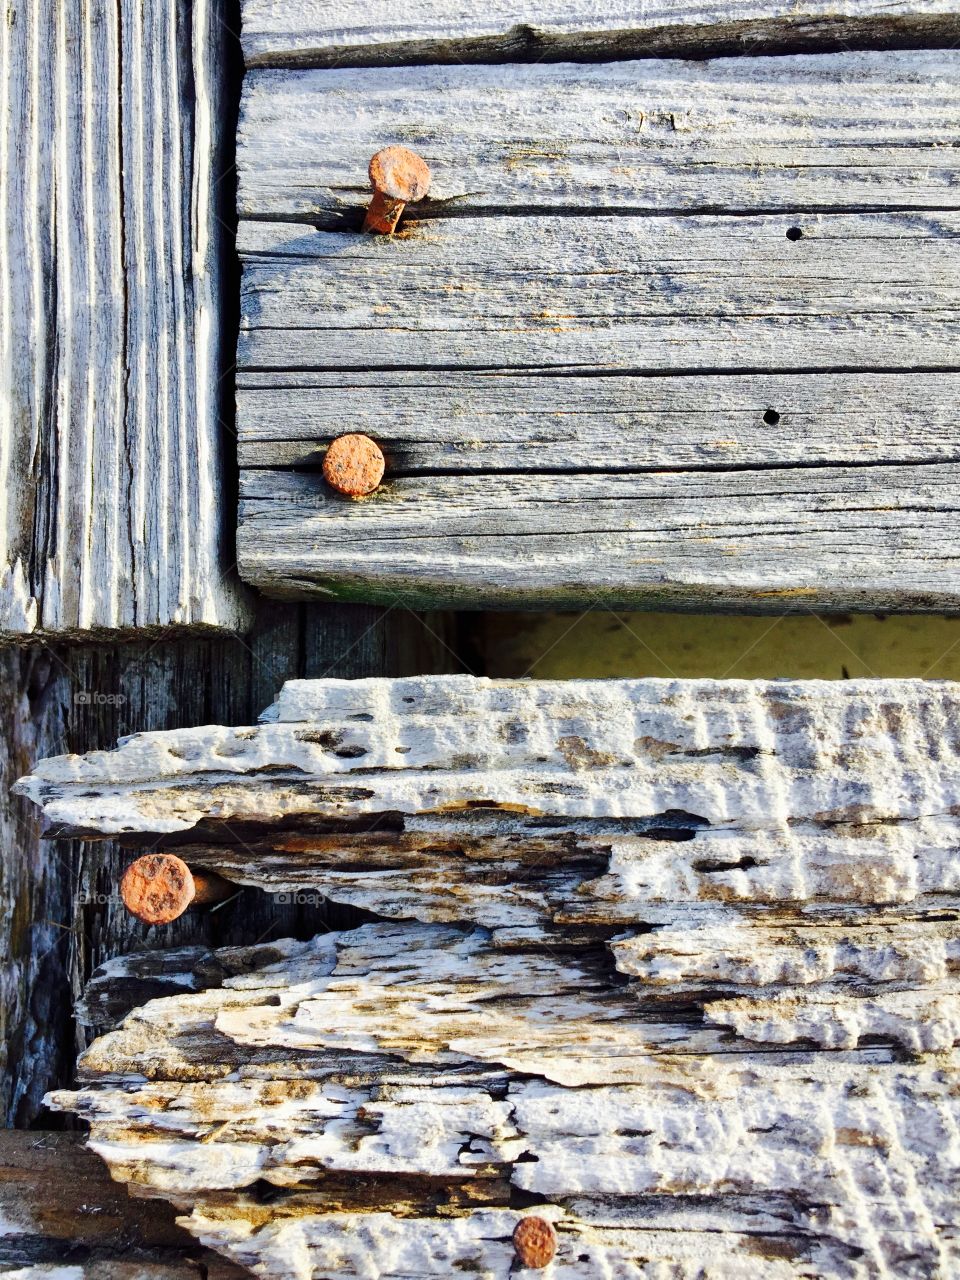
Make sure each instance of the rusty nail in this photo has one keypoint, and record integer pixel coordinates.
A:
(535, 1241)
(353, 465)
(159, 887)
(398, 177)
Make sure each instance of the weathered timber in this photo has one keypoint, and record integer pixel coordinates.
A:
(369, 1081)
(455, 422)
(672, 963)
(60, 910)
(841, 131)
(767, 541)
(64, 1219)
(318, 33)
(111, 457)
(473, 303)
(614, 293)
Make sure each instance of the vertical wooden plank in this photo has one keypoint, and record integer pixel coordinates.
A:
(112, 456)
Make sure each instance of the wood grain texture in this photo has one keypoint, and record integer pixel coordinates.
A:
(64, 1219)
(457, 423)
(564, 316)
(60, 913)
(816, 538)
(864, 130)
(672, 963)
(653, 294)
(317, 33)
(111, 465)
(422, 1161)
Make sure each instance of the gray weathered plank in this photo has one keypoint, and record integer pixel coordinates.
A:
(749, 1068)
(864, 130)
(462, 422)
(771, 541)
(574, 240)
(110, 319)
(319, 33)
(656, 294)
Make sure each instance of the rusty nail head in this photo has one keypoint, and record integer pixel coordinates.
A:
(535, 1242)
(353, 465)
(398, 177)
(157, 888)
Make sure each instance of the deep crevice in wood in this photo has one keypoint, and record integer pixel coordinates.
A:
(782, 37)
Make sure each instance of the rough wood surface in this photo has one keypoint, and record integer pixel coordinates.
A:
(672, 963)
(623, 422)
(64, 1219)
(770, 541)
(318, 33)
(864, 130)
(111, 465)
(565, 313)
(60, 911)
(298, 1154)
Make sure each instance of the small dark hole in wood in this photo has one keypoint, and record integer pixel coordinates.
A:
(794, 233)
(771, 417)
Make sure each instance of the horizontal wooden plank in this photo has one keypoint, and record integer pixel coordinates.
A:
(656, 294)
(110, 326)
(556, 804)
(461, 422)
(864, 130)
(772, 541)
(616, 222)
(318, 33)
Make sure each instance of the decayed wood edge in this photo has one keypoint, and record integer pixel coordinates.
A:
(843, 1164)
(754, 1057)
(459, 422)
(561, 810)
(112, 457)
(846, 131)
(65, 1219)
(348, 33)
(60, 913)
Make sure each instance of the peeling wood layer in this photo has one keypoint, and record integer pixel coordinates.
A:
(671, 963)
(317, 33)
(110, 324)
(298, 1145)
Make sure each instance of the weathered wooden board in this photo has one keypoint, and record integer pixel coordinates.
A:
(318, 33)
(111, 467)
(864, 130)
(420, 1161)
(606, 293)
(565, 316)
(765, 540)
(636, 422)
(673, 964)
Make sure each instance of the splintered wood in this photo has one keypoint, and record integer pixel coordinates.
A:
(664, 332)
(672, 965)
